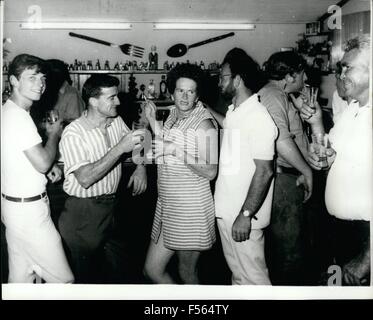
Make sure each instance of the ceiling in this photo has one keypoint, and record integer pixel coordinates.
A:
(256, 11)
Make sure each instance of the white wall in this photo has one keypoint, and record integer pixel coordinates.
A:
(260, 43)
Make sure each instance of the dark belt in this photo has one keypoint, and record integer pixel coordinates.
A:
(110, 196)
(30, 199)
(292, 171)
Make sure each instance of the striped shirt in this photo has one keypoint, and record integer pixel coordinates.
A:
(82, 144)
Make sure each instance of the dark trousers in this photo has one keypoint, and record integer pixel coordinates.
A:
(351, 238)
(286, 249)
(85, 224)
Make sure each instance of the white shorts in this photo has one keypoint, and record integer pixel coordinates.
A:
(245, 259)
(34, 245)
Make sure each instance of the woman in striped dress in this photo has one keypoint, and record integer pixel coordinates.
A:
(186, 153)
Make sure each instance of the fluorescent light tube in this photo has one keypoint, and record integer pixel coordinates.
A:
(203, 26)
(77, 25)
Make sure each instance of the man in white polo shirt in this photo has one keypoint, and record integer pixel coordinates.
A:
(34, 245)
(349, 186)
(244, 189)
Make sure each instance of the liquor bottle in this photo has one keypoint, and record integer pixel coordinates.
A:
(166, 66)
(98, 66)
(76, 64)
(151, 90)
(163, 88)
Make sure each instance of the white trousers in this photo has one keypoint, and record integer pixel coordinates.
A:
(245, 259)
(34, 245)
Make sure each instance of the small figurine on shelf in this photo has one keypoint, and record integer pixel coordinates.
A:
(151, 90)
(202, 65)
(5, 67)
(107, 66)
(163, 92)
(71, 67)
(153, 58)
(142, 93)
(116, 66)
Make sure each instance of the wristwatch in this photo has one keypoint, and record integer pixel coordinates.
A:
(246, 213)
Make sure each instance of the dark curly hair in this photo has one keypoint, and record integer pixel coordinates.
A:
(280, 64)
(92, 87)
(186, 70)
(246, 67)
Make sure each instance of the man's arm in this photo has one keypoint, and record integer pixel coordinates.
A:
(90, 173)
(139, 180)
(291, 153)
(41, 157)
(218, 117)
(256, 195)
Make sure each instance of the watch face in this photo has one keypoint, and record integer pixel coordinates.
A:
(246, 213)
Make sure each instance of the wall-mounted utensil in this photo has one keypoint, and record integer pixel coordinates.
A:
(126, 48)
(178, 50)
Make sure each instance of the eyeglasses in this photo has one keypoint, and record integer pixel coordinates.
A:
(182, 91)
(221, 76)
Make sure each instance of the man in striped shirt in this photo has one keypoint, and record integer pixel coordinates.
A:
(91, 147)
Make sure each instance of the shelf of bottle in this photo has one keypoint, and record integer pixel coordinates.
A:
(159, 71)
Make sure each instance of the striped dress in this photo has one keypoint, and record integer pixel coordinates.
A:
(185, 209)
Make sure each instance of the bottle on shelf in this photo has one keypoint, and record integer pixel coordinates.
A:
(153, 58)
(142, 93)
(98, 66)
(107, 66)
(151, 89)
(166, 66)
(163, 92)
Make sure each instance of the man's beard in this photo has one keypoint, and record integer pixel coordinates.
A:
(228, 92)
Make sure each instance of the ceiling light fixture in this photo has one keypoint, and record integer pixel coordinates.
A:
(77, 25)
(202, 26)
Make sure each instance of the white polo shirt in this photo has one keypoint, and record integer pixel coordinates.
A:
(249, 133)
(349, 186)
(18, 133)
